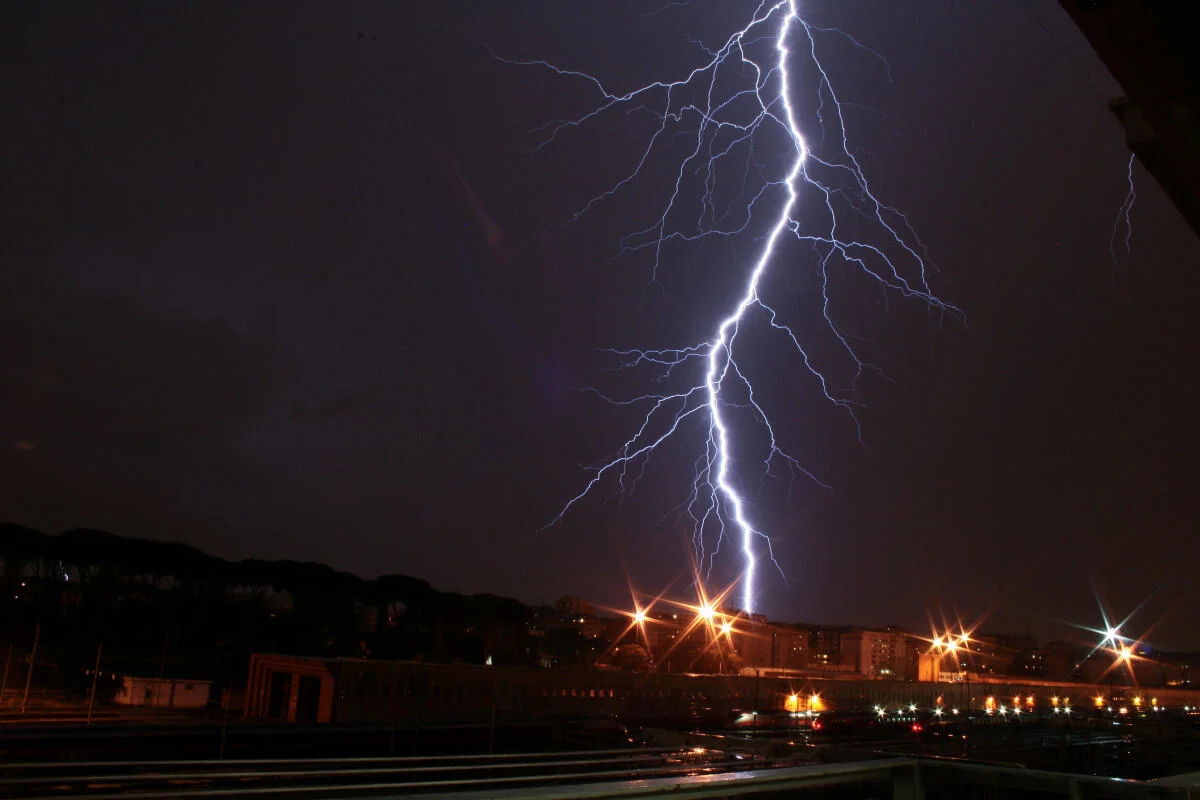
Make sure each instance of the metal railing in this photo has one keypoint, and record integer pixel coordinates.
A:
(899, 779)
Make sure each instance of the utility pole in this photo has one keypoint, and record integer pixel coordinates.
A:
(95, 676)
(37, 633)
(754, 718)
(225, 721)
(4, 682)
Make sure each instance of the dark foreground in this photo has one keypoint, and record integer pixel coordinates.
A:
(161, 758)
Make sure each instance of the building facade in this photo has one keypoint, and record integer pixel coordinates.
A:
(163, 692)
(288, 688)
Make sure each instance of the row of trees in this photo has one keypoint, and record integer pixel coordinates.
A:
(169, 607)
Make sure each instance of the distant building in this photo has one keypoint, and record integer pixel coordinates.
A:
(882, 654)
(753, 640)
(829, 654)
(1062, 661)
(571, 606)
(163, 692)
(790, 647)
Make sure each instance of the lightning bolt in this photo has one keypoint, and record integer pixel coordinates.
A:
(740, 96)
(1124, 216)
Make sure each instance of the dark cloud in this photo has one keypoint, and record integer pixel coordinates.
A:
(336, 407)
(124, 418)
(287, 283)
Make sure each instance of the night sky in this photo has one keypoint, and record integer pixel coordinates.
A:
(281, 281)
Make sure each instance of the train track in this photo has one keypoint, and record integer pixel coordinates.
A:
(358, 776)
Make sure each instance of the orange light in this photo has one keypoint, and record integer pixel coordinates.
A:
(1099, 701)
(792, 703)
(707, 612)
(639, 617)
(726, 627)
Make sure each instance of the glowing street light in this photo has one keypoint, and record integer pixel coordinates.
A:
(726, 627)
(639, 617)
(707, 612)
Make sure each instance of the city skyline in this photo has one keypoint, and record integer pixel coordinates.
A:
(291, 288)
(76, 558)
